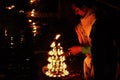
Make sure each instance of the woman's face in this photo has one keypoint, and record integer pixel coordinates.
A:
(78, 11)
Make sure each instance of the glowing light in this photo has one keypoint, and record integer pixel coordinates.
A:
(32, 1)
(10, 7)
(33, 24)
(12, 43)
(33, 12)
(50, 53)
(57, 36)
(11, 38)
(29, 20)
(5, 32)
(21, 11)
(53, 44)
(56, 66)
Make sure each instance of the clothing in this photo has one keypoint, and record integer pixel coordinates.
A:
(86, 50)
(104, 52)
(88, 68)
(83, 30)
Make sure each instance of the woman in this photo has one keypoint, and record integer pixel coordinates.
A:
(83, 30)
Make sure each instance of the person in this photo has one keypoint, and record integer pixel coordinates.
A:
(105, 42)
(103, 38)
(85, 10)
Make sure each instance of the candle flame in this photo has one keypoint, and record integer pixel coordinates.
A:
(57, 36)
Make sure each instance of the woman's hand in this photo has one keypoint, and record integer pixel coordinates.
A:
(74, 50)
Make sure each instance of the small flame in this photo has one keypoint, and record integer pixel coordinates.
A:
(32, 1)
(56, 66)
(10, 7)
(53, 44)
(57, 36)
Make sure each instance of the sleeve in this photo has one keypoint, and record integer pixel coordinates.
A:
(86, 49)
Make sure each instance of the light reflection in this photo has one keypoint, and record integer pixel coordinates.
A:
(5, 32)
(21, 11)
(32, 1)
(10, 7)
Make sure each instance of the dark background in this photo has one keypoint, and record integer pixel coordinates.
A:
(24, 60)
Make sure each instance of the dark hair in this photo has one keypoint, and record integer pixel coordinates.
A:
(80, 3)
